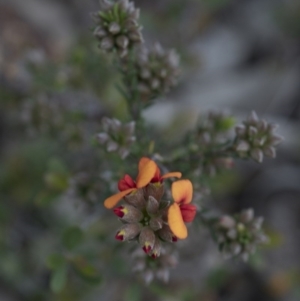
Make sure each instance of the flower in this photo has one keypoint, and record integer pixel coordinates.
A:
(256, 138)
(117, 137)
(157, 70)
(117, 26)
(148, 173)
(181, 210)
(158, 178)
(240, 235)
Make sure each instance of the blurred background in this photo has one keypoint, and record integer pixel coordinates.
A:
(55, 86)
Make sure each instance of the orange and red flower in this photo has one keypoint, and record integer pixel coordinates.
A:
(181, 210)
(149, 172)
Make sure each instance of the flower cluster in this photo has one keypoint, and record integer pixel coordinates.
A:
(157, 70)
(146, 216)
(117, 137)
(212, 127)
(256, 138)
(148, 268)
(240, 235)
(117, 28)
(208, 142)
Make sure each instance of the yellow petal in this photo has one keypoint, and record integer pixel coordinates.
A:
(182, 191)
(113, 200)
(174, 174)
(146, 173)
(143, 161)
(176, 222)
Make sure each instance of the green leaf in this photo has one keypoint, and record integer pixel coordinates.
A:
(58, 279)
(86, 271)
(72, 237)
(104, 16)
(55, 261)
(116, 12)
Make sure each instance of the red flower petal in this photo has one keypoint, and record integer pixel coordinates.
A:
(188, 212)
(126, 183)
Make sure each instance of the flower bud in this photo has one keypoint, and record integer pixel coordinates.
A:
(247, 215)
(102, 138)
(156, 248)
(240, 130)
(257, 155)
(111, 146)
(270, 152)
(155, 190)
(114, 28)
(135, 36)
(163, 275)
(156, 223)
(122, 41)
(166, 234)
(147, 239)
(164, 204)
(136, 199)
(232, 234)
(243, 146)
(99, 32)
(128, 213)
(152, 205)
(276, 139)
(106, 43)
(128, 232)
(227, 222)
(235, 248)
(148, 276)
(257, 223)
(253, 117)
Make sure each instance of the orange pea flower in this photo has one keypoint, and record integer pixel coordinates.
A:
(181, 210)
(148, 173)
(158, 178)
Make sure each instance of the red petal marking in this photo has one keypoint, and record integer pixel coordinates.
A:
(174, 238)
(113, 200)
(147, 248)
(119, 211)
(182, 191)
(156, 178)
(188, 212)
(126, 183)
(119, 236)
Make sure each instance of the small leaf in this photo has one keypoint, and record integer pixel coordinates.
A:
(86, 271)
(55, 261)
(58, 279)
(104, 16)
(116, 12)
(72, 237)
